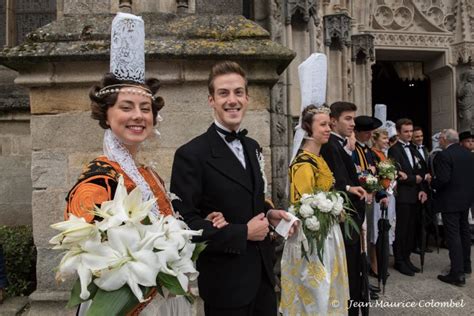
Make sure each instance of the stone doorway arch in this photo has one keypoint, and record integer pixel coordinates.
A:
(435, 67)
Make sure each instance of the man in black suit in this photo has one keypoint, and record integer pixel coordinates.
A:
(219, 171)
(454, 186)
(411, 192)
(427, 222)
(344, 171)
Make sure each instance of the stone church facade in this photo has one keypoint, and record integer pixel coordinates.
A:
(46, 134)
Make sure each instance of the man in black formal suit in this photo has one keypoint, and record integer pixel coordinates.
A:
(344, 171)
(427, 222)
(219, 171)
(411, 192)
(454, 186)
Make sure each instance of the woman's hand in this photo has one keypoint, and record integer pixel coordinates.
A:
(217, 219)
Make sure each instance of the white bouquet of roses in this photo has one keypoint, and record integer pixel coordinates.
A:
(318, 212)
(123, 257)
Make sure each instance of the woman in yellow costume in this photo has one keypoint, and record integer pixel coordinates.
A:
(312, 287)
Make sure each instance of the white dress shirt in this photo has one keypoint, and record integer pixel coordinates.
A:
(235, 145)
(407, 151)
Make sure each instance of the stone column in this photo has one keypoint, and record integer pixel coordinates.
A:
(64, 58)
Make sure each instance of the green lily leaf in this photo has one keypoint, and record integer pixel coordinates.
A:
(171, 283)
(75, 299)
(198, 249)
(119, 302)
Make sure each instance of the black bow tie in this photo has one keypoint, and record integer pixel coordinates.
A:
(406, 146)
(343, 141)
(420, 147)
(231, 136)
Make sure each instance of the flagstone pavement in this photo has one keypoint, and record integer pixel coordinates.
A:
(424, 294)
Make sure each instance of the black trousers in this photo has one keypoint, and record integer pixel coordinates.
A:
(458, 238)
(405, 231)
(354, 267)
(264, 304)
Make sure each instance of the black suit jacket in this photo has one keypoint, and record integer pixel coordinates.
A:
(454, 179)
(345, 173)
(207, 177)
(408, 189)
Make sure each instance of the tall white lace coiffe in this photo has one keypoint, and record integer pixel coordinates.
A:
(127, 47)
(115, 151)
(313, 77)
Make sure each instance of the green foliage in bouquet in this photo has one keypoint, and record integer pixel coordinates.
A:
(386, 169)
(318, 212)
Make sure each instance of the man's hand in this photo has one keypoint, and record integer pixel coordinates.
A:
(257, 228)
(369, 198)
(402, 175)
(384, 202)
(359, 191)
(217, 219)
(418, 179)
(422, 196)
(428, 177)
(275, 216)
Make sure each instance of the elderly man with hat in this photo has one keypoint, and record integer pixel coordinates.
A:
(466, 139)
(365, 162)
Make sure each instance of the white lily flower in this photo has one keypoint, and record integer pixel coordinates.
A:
(123, 208)
(83, 259)
(73, 231)
(134, 262)
(184, 268)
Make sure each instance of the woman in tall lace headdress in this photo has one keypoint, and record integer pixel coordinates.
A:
(128, 111)
(312, 287)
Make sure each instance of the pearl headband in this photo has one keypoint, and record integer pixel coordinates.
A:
(126, 88)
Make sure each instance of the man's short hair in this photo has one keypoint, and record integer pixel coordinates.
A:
(417, 128)
(223, 68)
(337, 108)
(450, 135)
(401, 122)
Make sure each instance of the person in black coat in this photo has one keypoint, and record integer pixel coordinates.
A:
(344, 171)
(454, 187)
(411, 192)
(219, 171)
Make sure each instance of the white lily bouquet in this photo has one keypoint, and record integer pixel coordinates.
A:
(121, 258)
(318, 212)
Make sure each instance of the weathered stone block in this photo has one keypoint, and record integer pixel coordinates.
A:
(280, 161)
(72, 132)
(5, 145)
(48, 209)
(21, 146)
(14, 214)
(48, 100)
(279, 129)
(86, 6)
(219, 7)
(48, 260)
(15, 128)
(48, 169)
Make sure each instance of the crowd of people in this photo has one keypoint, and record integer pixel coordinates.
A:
(220, 182)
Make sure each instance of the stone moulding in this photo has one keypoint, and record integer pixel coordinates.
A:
(463, 52)
(307, 9)
(363, 45)
(337, 29)
(427, 40)
(87, 38)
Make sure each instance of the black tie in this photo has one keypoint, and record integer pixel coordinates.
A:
(231, 136)
(420, 147)
(406, 146)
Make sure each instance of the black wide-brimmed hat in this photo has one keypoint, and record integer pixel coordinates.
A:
(364, 123)
(465, 135)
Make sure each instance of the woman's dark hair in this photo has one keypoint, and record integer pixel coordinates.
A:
(307, 117)
(100, 104)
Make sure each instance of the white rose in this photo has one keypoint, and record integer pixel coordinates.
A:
(306, 211)
(312, 223)
(306, 198)
(338, 204)
(318, 199)
(326, 206)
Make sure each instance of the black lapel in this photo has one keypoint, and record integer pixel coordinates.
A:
(401, 147)
(224, 160)
(254, 164)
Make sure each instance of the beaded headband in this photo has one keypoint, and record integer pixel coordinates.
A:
(126, 88)
(320, 110)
